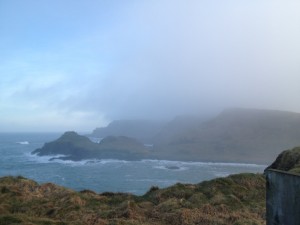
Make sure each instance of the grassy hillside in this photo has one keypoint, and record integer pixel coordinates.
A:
(288, 160)
(237, 199)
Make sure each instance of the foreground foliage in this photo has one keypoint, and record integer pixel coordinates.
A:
(288, 160)
(237, 199)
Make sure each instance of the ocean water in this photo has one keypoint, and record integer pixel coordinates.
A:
(135, 177)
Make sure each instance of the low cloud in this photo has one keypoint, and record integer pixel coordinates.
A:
(153, 60)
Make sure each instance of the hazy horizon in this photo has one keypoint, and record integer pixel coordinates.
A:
(69, 65)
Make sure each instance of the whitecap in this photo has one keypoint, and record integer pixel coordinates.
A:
(58, 159)
(42, 159)
(23, 142)
(218, 167)
(221, 174)
(111, 161)
(148, 145)
(69, 162)
(171, 167)
(193, 163)
(153, 181)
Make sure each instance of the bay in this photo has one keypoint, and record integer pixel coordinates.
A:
(112, 175)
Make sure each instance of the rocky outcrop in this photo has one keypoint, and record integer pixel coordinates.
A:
(76, 147)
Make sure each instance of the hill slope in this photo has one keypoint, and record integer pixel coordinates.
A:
(237, 199)
(236, 135)
(142, 130)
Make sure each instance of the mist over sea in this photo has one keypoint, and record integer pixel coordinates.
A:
(104, 175)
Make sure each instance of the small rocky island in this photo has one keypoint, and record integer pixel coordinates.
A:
(72, 146)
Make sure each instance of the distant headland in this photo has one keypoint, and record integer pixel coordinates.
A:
(235, 135)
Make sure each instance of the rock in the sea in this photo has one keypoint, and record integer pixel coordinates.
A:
(77, 147)
(173, 167)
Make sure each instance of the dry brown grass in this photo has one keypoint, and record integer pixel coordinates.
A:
(237, 199)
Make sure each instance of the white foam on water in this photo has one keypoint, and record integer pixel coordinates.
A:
(171, 168)
(42, 159)
(148, 145)
(110, 161)
(157, 164)
(56, 159)
(221, 174)
(23, 142)
(182, 163)
(162, 181)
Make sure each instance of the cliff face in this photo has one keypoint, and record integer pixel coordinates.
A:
(237, 199)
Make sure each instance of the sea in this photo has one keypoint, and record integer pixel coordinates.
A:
(111, 175)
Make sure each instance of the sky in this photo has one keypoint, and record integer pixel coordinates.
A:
(77, 65)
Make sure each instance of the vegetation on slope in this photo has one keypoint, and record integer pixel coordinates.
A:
(288, 160)
(237, 199)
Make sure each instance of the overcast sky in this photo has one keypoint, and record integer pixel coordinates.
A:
(77, 65)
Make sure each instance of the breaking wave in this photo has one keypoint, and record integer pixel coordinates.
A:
(56, 159)
(23, 142)
(184, 163)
